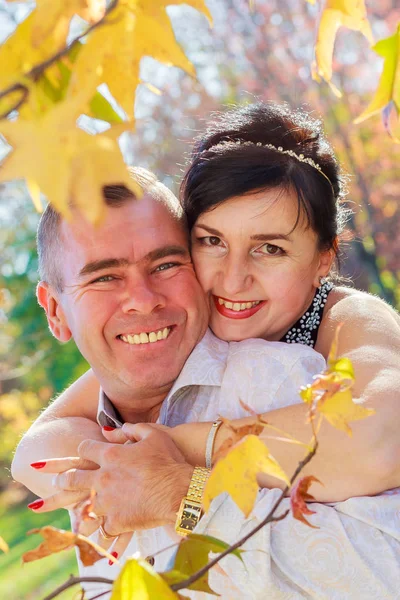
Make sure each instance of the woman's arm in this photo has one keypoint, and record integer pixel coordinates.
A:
(366, 463)
(58, 432)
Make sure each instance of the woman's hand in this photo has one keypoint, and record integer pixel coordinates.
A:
(115, 545)
(190, 438)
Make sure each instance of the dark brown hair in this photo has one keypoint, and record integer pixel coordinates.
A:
(223, 165)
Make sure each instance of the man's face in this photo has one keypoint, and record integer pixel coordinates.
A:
(126, 284)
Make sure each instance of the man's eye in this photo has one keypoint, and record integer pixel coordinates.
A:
(210, 240)
(165, 266)
(103, 279)
(270, 250)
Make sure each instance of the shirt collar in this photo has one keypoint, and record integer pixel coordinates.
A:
(205, 366)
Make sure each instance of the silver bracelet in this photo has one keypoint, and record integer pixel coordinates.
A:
(210, 442)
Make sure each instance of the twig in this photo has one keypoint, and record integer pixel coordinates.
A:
(99, 595)
(74, 581)
(268, 519)
(37, 70)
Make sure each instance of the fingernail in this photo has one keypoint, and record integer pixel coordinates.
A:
(107, 428)
(38, 465)
(35, 505)
(115, 555)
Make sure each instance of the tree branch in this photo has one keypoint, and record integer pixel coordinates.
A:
(74, 581)
(37, 70)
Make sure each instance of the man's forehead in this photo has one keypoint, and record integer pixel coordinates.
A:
(131, 231)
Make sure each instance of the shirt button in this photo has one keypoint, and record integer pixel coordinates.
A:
(150, 560)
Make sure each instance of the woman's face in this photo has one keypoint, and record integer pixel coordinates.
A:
(259, 274)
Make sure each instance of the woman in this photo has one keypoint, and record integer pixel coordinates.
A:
(262, 198)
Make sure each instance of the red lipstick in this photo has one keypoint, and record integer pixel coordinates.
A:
(234, 314)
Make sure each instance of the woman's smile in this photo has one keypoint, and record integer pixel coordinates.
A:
(237, 309)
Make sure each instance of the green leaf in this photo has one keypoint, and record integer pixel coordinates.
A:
(100, 108)
(138, 580)
(192, 555)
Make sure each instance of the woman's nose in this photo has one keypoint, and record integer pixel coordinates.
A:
(235, 278)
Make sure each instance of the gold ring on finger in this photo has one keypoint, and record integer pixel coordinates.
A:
(104, 533)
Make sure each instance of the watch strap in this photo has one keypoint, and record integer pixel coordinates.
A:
(197, 484)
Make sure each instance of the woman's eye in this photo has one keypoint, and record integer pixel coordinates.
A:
(270, 249)
(211, 240)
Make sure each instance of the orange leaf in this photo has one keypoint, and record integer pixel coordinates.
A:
(56, 540)
(84, 511)
(298, 496)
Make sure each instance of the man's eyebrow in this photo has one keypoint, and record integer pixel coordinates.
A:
(100, 265)
(259, 237)
(112, 263)
(165, 251)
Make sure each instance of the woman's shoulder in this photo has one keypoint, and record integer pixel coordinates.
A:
(346, 303)
(365, 319)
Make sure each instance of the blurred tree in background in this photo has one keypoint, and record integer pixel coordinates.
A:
(263, 53)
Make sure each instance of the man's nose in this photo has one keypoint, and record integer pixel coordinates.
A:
(236, 278)
(141, 296)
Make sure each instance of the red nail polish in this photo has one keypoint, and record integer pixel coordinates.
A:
(35, 505)
(38, 465)
(107, 428)
(115, 555)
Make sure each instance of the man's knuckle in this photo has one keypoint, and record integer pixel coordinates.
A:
(70, 479)
(84, 447)
(104, 479)
(112, 453)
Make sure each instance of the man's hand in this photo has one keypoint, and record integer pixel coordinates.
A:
(138, 486)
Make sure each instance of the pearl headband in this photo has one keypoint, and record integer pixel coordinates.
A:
(292, 153)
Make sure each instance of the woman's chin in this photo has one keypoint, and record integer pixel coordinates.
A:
(231, 333)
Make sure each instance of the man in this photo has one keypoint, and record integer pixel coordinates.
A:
(133, 276)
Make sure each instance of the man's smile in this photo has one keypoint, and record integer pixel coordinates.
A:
(146, 337)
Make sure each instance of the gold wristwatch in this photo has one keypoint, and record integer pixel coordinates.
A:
(190, 510)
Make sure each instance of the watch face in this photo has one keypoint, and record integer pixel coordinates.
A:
(190, 517)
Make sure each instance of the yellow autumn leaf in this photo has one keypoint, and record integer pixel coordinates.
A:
(330, 393)
(63, 161)
(340, 408)
(237, 472)
(3, 545)
(337, 13)
(54, 17)
(16, 58)
(389, 83)
(137, 30)
(138, 580)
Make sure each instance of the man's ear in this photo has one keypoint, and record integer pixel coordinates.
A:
(56, 319)
(326, 259)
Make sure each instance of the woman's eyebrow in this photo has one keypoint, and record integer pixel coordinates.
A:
(209, 229)
(259, 237)
(266, 237)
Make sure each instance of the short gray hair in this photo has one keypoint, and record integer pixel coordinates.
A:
(48, 234)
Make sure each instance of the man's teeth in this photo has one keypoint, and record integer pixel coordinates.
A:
(238, 306)
(147, 338)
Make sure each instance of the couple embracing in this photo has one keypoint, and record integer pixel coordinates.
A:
(261, 212)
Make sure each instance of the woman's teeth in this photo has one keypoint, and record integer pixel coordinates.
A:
(146, 338)
(238, 306)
